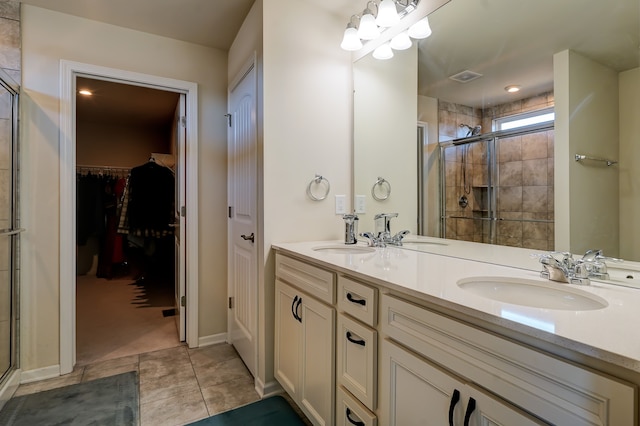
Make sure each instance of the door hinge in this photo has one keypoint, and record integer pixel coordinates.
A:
(183, 211)
(230, 212)
(183, 301)
(230, 302)
(183, 121)
(228, 119)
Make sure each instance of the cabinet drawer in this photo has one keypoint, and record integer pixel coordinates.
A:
(358, 300)
(349, 411)
(357, 358)
(315, 281)
(558, 391)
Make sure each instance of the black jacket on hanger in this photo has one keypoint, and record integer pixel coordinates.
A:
(151, 200)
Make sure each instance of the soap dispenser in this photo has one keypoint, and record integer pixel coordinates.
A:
(350, 228)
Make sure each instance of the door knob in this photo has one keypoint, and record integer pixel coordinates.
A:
(249, 237)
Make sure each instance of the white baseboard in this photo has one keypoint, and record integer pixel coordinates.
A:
(9, 388)
(40, 374)
(269, 389)
(213, 339)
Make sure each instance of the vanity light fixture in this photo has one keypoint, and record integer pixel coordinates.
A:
(383, 52)
(420, 29)
(401, 41)
(351, 41)
(85, 92)
(387, 14)
(368, 29)
(512, 88)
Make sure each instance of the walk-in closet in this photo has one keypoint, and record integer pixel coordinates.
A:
(125, 215)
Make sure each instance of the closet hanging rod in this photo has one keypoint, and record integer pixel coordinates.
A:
(102, 168)
(580, 157)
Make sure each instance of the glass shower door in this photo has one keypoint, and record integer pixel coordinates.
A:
(468, 196)
(9, 226)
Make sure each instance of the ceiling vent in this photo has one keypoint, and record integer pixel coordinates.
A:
(465, 76)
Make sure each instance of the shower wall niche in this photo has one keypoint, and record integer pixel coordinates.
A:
(497, 187)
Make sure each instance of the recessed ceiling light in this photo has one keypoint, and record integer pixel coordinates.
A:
(85, 92)
(512, 89)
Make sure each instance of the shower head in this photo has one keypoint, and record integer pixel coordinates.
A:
(472, 131)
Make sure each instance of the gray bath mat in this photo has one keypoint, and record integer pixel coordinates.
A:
(109, 401)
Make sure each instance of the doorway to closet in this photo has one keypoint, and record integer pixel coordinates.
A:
(128, 180)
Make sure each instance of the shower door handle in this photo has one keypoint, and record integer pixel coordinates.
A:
(9, 231)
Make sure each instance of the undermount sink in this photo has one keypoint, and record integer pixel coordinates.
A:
(537, 294)
(345, 249)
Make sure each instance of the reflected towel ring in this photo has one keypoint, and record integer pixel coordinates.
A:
(318, 180)
(385, 189)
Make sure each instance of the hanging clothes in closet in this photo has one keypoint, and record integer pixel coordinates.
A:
(97, 191)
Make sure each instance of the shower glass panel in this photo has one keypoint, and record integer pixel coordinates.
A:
(498, 188)
(9, 227)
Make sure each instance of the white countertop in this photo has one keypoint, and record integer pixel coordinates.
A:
(609, 334)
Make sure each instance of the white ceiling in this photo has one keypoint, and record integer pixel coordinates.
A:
(513, 42)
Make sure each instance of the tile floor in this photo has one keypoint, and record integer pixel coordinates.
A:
(177, 385)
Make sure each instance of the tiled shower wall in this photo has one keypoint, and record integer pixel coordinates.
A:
(10, 50)
(10, 63)
(524, 185)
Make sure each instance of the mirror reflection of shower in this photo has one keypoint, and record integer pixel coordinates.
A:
(463, 201)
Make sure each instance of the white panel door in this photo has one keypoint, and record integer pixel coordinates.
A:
(180, 219)
(242, 193)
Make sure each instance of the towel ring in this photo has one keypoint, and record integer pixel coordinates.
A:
(317, 181)
(385, 189)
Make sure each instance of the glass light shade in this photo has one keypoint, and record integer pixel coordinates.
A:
(420, 29)
(383, 52)
(351, 41)
(401, 41)
(387, 14)
(368, 29)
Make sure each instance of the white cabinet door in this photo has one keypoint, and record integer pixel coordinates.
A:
(416, 392)
(317, 388)
(305, 352)
(288, 335)
(413, 392)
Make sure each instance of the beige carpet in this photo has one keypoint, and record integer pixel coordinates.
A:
(121, 317)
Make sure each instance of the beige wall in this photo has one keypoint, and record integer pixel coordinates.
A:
(586, 193)
(119, 144)
(385, 138)
(629, 169)
(48, 37)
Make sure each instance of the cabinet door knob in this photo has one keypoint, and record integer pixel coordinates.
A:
(352, 340)
(455, 397)
(353, 422)
(470, 409)
(357, 301)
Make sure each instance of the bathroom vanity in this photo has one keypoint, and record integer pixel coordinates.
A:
(389, 336)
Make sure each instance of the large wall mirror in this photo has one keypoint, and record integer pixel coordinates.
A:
(577, 58)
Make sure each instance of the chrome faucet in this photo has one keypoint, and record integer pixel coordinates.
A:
(350, 228)
(382, 235)
(575, 271)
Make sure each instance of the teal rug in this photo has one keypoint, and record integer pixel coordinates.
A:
(272, 411)
(110, 401)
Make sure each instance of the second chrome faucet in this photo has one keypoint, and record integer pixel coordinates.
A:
(382, 237)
